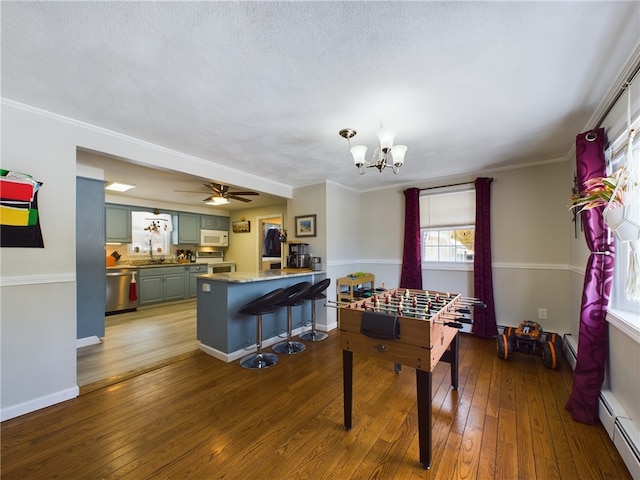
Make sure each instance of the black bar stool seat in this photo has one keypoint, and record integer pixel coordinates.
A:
(258, 307)
(316, 292)
(291, 297)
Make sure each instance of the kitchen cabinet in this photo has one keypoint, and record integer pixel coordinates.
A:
(162, 284)
(193, 281)
(188, 229)
(117, 223)
(214, 222)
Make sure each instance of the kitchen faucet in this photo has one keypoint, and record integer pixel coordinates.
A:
(150, 250)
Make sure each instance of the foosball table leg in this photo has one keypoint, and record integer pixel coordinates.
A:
(455, 357)
(347, 384)
(423, 387)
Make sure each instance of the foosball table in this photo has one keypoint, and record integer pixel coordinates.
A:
(416, 328)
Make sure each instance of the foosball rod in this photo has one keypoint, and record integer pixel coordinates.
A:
(439, 297)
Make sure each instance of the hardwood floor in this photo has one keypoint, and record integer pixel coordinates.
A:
(137, 341)
(204, 419)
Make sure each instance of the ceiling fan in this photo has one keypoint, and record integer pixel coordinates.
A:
(218, 193)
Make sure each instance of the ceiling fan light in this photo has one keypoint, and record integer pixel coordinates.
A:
(358, 153)
(217, 201)
(397, 152)
(385, 137)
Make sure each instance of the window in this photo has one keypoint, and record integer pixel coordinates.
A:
(447, 226)
(150, 233)
(620, 299)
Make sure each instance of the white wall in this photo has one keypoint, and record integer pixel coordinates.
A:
(241, 243)
(529, 222)
(37, 287)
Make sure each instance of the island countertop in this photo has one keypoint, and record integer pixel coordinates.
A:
(248, 277)
(223, 332)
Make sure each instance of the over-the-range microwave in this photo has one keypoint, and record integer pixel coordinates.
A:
(214, 238)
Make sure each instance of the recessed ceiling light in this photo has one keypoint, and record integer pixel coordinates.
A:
(118, 187)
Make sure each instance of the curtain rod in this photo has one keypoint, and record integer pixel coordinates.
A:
(450, 185)
(613, 102)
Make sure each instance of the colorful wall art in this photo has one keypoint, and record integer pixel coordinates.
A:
(19, 219)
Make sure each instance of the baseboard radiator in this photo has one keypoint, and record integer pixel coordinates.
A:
(621, 429)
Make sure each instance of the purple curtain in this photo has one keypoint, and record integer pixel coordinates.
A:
(593, 334)
(411, 276)
(484, 319)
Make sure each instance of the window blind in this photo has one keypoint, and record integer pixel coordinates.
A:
(449, 209)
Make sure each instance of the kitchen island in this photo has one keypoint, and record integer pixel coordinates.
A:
(224, 333)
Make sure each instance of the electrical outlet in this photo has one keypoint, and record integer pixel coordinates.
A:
(542, 314)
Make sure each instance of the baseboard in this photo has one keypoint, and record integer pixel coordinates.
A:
(620, 428)
(238, 354)
(86, 341)
(38, 403)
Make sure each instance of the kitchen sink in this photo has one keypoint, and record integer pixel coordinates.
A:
(154, 262)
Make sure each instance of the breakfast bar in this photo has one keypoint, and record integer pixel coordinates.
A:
(223, 332)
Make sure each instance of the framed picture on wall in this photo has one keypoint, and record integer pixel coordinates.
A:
(305, 226)
(243, 226)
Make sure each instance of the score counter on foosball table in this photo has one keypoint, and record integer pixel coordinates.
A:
(415, 328)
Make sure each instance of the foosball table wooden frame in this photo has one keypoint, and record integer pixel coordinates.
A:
(419, 341)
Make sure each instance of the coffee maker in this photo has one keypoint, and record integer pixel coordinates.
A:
(299, 256)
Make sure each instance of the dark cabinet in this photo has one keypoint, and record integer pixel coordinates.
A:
(117, 223)
(162, 284)
(193, 281)
(188, 229)
(214, 222)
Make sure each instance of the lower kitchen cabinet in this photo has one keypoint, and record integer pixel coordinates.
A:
(193, 281)
(162, 284)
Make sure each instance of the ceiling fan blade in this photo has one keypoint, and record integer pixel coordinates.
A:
(242, 199)
(243, 193)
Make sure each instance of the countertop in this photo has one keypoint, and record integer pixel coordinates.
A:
(120, 266)
(248, 277)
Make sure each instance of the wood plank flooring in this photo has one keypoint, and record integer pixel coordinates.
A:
(201, 418)
(137, 341)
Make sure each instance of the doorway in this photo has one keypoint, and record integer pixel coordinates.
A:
(270, 251)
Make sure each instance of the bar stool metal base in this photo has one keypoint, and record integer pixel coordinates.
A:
(289, 347)
(259, 360)
(313, 336)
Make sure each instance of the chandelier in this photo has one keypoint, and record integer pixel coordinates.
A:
(386, 154)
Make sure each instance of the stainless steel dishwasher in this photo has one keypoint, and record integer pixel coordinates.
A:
(119, 291)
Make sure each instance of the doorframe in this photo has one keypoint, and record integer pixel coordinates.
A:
(260, 236)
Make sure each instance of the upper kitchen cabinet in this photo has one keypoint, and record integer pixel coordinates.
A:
(188, 229)
(214, 222)
(117, 223)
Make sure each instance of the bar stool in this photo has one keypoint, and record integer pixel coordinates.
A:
(291, 297)
(315, 293)
(258, 307)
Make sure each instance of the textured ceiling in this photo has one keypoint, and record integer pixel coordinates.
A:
(264, 87)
